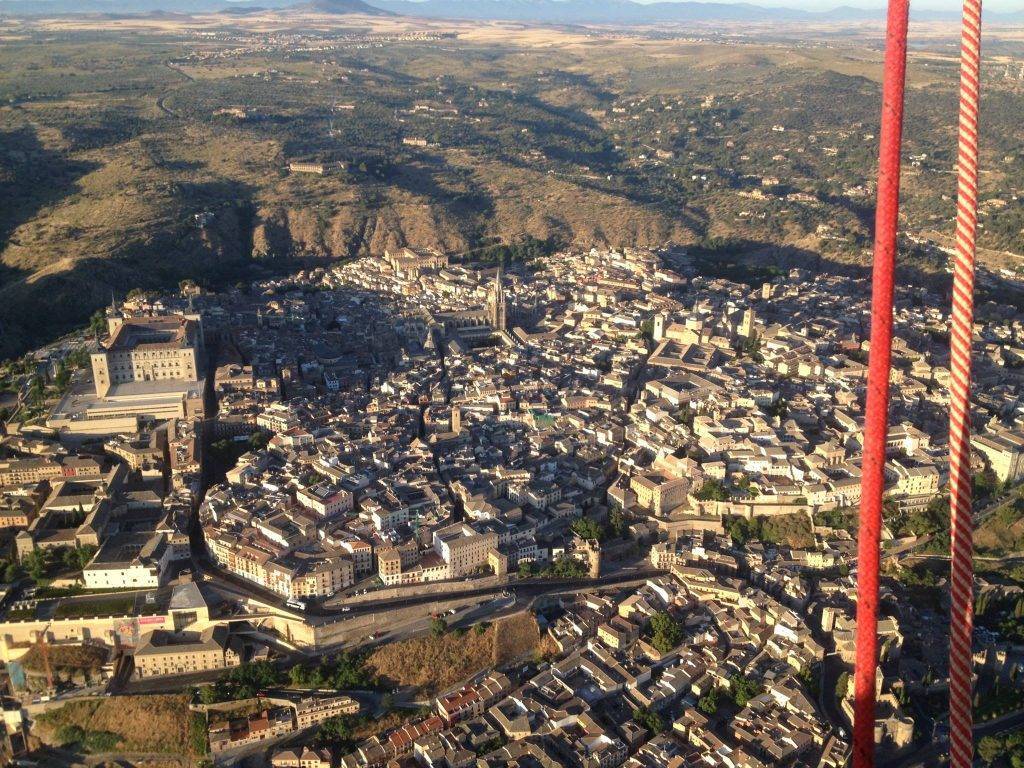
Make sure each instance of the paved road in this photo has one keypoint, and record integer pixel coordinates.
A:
(243, 588)
(521, 589)
(832, 669)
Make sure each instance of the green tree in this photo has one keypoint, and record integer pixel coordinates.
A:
(649, 719)
(567, 567)
(259, 440)
(98, 323)
(351, 672)
(741, 530)
(37, 391)
(743, 689)
(208, 694)
(438, 626)
(841, 685)
(666, 631)
(586, 528)
(985, 484)
(62, 378)
(243, 682)
(708, 704)
(809, 675)
(337, 730)
(37, 564)
(297, 676)
(686, 415)
(617, 523)
(991, 748)
(712, 490)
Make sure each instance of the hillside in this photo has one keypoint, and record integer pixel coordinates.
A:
(153, 724)
(341, 7)
(434, 663)
(138, 159)
(1001, 532)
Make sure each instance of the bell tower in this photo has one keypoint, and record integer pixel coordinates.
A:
(498, 310)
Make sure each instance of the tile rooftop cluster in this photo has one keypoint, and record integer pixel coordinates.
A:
(414, 419)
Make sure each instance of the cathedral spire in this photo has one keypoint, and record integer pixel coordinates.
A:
(499, 313)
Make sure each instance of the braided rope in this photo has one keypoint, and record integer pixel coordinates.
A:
(961, 331)
(876, 415)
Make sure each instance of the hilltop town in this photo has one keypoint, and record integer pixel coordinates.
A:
(647, 476)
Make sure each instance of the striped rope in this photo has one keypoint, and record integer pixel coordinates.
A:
(961, 331)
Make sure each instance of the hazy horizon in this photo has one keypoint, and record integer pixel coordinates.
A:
(806, 5)
(1001, 6)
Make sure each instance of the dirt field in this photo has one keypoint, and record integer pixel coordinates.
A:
(144, 723)
(431, 664)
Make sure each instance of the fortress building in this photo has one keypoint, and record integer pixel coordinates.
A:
(148, 348)
(148, 368)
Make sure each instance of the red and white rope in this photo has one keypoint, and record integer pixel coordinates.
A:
(879, 364)
(961, 332)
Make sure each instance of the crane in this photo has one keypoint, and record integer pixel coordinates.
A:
(44, 652)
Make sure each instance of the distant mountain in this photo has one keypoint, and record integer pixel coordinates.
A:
(341, 7)
(584, 11)
(121, 7)
(633, 13)
(616, 12)
(234, 7)
(243, 9)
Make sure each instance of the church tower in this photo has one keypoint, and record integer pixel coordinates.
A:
(115, 317)
(498, 310)
(659, 326)
(746, 329)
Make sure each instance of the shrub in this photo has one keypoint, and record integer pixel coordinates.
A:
(70, 734)
(102, 741)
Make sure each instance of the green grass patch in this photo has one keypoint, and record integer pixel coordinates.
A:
(108, 606)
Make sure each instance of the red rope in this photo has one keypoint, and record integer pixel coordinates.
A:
(961, 330)
(879, 361)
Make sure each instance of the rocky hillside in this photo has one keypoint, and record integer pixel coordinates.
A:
(128, 165)
(213, 206)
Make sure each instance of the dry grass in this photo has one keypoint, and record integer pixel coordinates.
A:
(144, 723)
(431, 664)
(376, 726)
(792, 530)
(75, 657)
(1002, 532)
(516, 637)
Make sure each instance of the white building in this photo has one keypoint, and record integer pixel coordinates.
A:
(129, 561)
